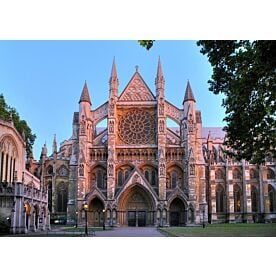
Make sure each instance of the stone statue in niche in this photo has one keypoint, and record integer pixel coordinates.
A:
(81, 170)
(110, 169)
(111, 126)
(192, 169)
(82, 126)
(161, 154)
(191, 123)
(161, 107)
(161, 126)
(162, 169)
(111, 108)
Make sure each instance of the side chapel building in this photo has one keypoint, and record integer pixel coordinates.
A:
(139, 172)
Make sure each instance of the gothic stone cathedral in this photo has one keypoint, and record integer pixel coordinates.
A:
(140, 172)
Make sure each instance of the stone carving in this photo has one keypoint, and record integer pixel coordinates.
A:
(190, 123)
(136, 127)
(192, 169)
(111, 127)
(82, 126)
(161, 107)
(136, 179)
(81, 170)
(161, 126)
(100, 113)
(162, 169)
(172, 112)
(110, 169)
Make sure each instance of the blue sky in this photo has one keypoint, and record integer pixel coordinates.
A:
(43, 80)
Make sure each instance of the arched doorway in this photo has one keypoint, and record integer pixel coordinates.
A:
(95, 212)
(136, 208)
(178, 215)
(27, 210)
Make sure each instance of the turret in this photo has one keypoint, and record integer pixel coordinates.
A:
(189, 103)
(85, 102)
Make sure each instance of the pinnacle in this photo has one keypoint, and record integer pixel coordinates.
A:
(189, 96)
(85, 94)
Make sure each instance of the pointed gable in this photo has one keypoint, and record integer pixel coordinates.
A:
(137, 90)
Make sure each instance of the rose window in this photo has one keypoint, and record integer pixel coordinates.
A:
(136, 127)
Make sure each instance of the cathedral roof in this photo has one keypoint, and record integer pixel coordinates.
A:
(215, 132)
(189, 96)
(85, 94)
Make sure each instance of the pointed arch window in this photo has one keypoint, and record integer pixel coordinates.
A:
(120, 178)
(270, 174)
(219, 199)
(174, 179)
(100, 179)
(62, 197)
(147, 175)
(237, 199)
(253, 174)
(219, 174)
(236, 174)
(50, 191)
(126, 174)
(271, 198)
(153, 178)
(254, 198)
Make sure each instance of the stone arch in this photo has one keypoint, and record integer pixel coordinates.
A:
(271, 198)
(136, 206)
(174, 176)
(98, 176)
(177, 212)
(62, 197)
(27, 211)
(270, 174)
(36, 216)
(220, 198)
(8, 158)
(95, 211)
(150, 172)
(237, 174)
(254, 198)
(219, 174)
(237, 198)
(123, 172)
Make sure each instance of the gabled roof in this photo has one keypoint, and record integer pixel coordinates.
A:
(137, 90)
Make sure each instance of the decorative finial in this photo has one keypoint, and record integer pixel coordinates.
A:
(136, 68)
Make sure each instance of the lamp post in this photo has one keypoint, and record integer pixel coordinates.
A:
(85, 207)
(77, 219)
(103, 219)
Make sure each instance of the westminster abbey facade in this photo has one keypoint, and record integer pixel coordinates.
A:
(139, 171)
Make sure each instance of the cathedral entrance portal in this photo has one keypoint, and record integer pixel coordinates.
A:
(178, 214)
(136, 208)
(95, 213)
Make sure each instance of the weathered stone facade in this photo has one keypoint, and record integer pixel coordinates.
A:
(139, 171)
(23, 201)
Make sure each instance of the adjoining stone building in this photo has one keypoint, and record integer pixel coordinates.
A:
(138, 171)
(23, 201)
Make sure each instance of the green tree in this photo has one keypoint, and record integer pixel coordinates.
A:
(21, 125)
(146, 43)
(245, 72)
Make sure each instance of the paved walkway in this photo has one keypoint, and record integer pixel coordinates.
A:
(130, 232)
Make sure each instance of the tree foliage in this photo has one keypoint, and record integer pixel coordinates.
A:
(21, 125)
(245, 72)
(146, 43)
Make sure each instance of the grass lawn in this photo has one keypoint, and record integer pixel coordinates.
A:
(223, 230)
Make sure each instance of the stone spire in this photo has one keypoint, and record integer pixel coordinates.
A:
(159, 80)
(85, 95)
(189, 96)
(54, 146)
(44, 150)
(113, 81)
